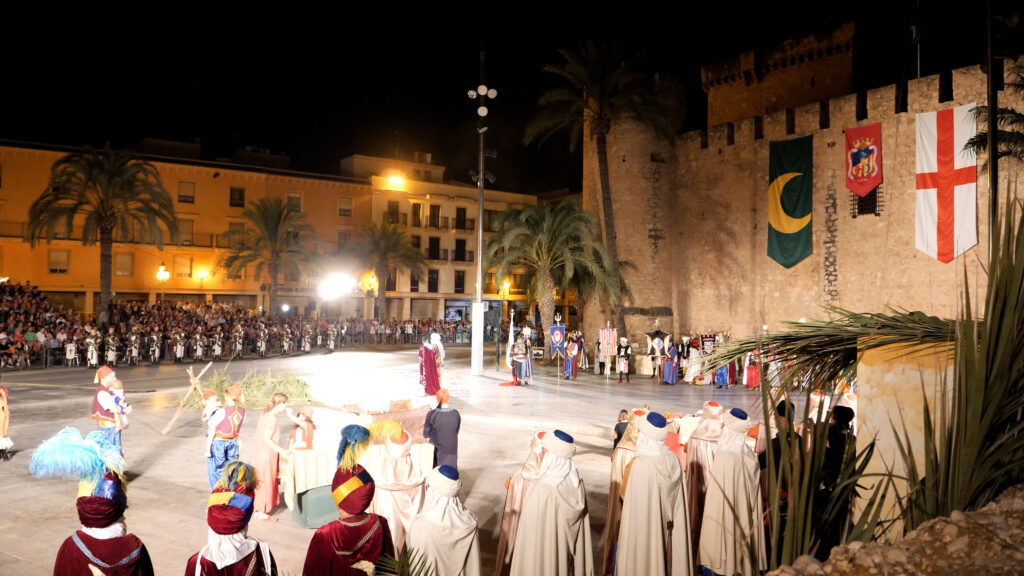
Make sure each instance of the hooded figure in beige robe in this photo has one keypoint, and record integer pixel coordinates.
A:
(444, 532)
(554, 533)
(621, 457)
(399, 484)
(654, 537)
(700, 455)
(732, 508)
(516, 487)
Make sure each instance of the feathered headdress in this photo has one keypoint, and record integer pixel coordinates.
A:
(237, 474)
(67, 455)
(354, 440)
(230, 505)
(381, 430)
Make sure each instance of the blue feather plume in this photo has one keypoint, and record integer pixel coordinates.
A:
(354, 439)
(237, 473)
(66, 454)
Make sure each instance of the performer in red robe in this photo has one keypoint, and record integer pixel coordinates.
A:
(102, 546)
(352, 544)
(429, 378)
(228, 551)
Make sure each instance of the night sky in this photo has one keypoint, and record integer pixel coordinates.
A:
(321, 86)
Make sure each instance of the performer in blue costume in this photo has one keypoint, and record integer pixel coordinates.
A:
(670, 370)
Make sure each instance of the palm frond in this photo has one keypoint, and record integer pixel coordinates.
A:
(407, 562)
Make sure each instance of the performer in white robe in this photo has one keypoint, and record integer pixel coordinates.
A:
(516, 487)
(693, 365)
(700, 455)
(621, 457)
(654, 537)
(554, 534)
(399, 484)
(444, 532)
(732, 507)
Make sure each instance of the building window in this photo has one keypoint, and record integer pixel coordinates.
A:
(237, 237)
(869, 204)
(460, 281)
(415, 241)
(124, 264)
(460, 251)
(57, 261)
(389, 284)
(237, 197)
(187, 192)
(182, 266)
(460, 218)
(295, 201)
(432, 281)
(433, 248)
(291, 273)
(491, 220)
(417, 215)
(186, 232)
(344, 206)
(435, 217)
(344, 237)
(414, 282)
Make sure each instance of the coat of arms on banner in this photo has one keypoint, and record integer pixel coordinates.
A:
(864, 158)
(558, 340)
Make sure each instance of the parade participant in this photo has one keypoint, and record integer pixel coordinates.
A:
(398, 477)
(441, 428)
(218, 344)
(693, 364)
(554, 532)
(752, 372)
(445, 532)
(307, 338)
(654, 536)
(103, 405)
(429, 378)
(102, 545)
(267, 456)
(332, 337)
(732, 508)
(179, 346)
(572, 350)
(237, 336)
(286, 340)
(620, 427)
(515, 495)
(92, 354)
(222, 434)
(121, 406)
(210, 405)
(656, 350)
(301, 437)
(229, 551)
(622, 354)
(5, 421)
(134, 342)
(700, 455)
(670, 368)
(622, 455)
(352, 544)
(438, 345)
(521, 361)
(261, 340)
(110, 343)
(584, 364)
(156, 341)
(198, 350)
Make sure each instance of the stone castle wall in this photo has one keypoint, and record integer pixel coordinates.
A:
(706, 195)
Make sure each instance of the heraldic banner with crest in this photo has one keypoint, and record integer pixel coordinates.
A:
(864, 158)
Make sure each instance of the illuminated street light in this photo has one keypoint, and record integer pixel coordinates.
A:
(335, 286)
(162, 274)
(285, 308)
(202, 278)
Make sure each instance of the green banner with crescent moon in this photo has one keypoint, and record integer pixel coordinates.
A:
(790, 175)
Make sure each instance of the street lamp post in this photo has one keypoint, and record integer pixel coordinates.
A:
(162, 274)
(481, 94)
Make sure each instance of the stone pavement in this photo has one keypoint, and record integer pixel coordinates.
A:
(168, 488)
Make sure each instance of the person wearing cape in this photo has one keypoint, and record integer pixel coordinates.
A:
(445, 532)
(515, 495)
(103, 544)
(429, 378)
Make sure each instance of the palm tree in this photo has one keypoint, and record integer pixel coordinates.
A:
(382, 246)
(552, 244)
(600, 86)
(585, 285)
(1010, 134)
(112, 192)
(275, 237)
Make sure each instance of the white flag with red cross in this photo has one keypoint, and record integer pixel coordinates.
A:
(947, 178)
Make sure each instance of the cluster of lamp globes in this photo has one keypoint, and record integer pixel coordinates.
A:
(482, 92)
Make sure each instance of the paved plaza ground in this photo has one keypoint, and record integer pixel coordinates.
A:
(168, 488)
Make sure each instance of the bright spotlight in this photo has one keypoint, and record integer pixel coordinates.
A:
(285, 307)
(335, 286)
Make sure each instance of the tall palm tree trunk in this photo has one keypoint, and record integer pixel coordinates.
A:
(546, 303)
(106, 259)
(382, 291)
(608, 216)
(272, 272)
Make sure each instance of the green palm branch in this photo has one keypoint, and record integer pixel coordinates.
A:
(552, 244)
(275, 237)
(1009, 122)
(383, 246)
(408, 562)
(108, 192)
(599, 85)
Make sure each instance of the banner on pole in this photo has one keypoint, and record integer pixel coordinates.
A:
(558, 340)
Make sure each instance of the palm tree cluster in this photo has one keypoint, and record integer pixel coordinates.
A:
(382, 246)
(110, 191)
(275, 237)
(554, 245)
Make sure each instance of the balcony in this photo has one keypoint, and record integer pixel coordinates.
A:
(439, 222)
(437, 255)
(395, 218)
(463, 225)
(464, 257)
(12, 229)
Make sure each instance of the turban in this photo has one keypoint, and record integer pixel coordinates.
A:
(654, 426)
(442, 396)
(230, 505)
(352, 489)
(560, 444)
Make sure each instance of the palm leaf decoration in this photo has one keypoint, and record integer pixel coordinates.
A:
(1009, 122)
(408, 562)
